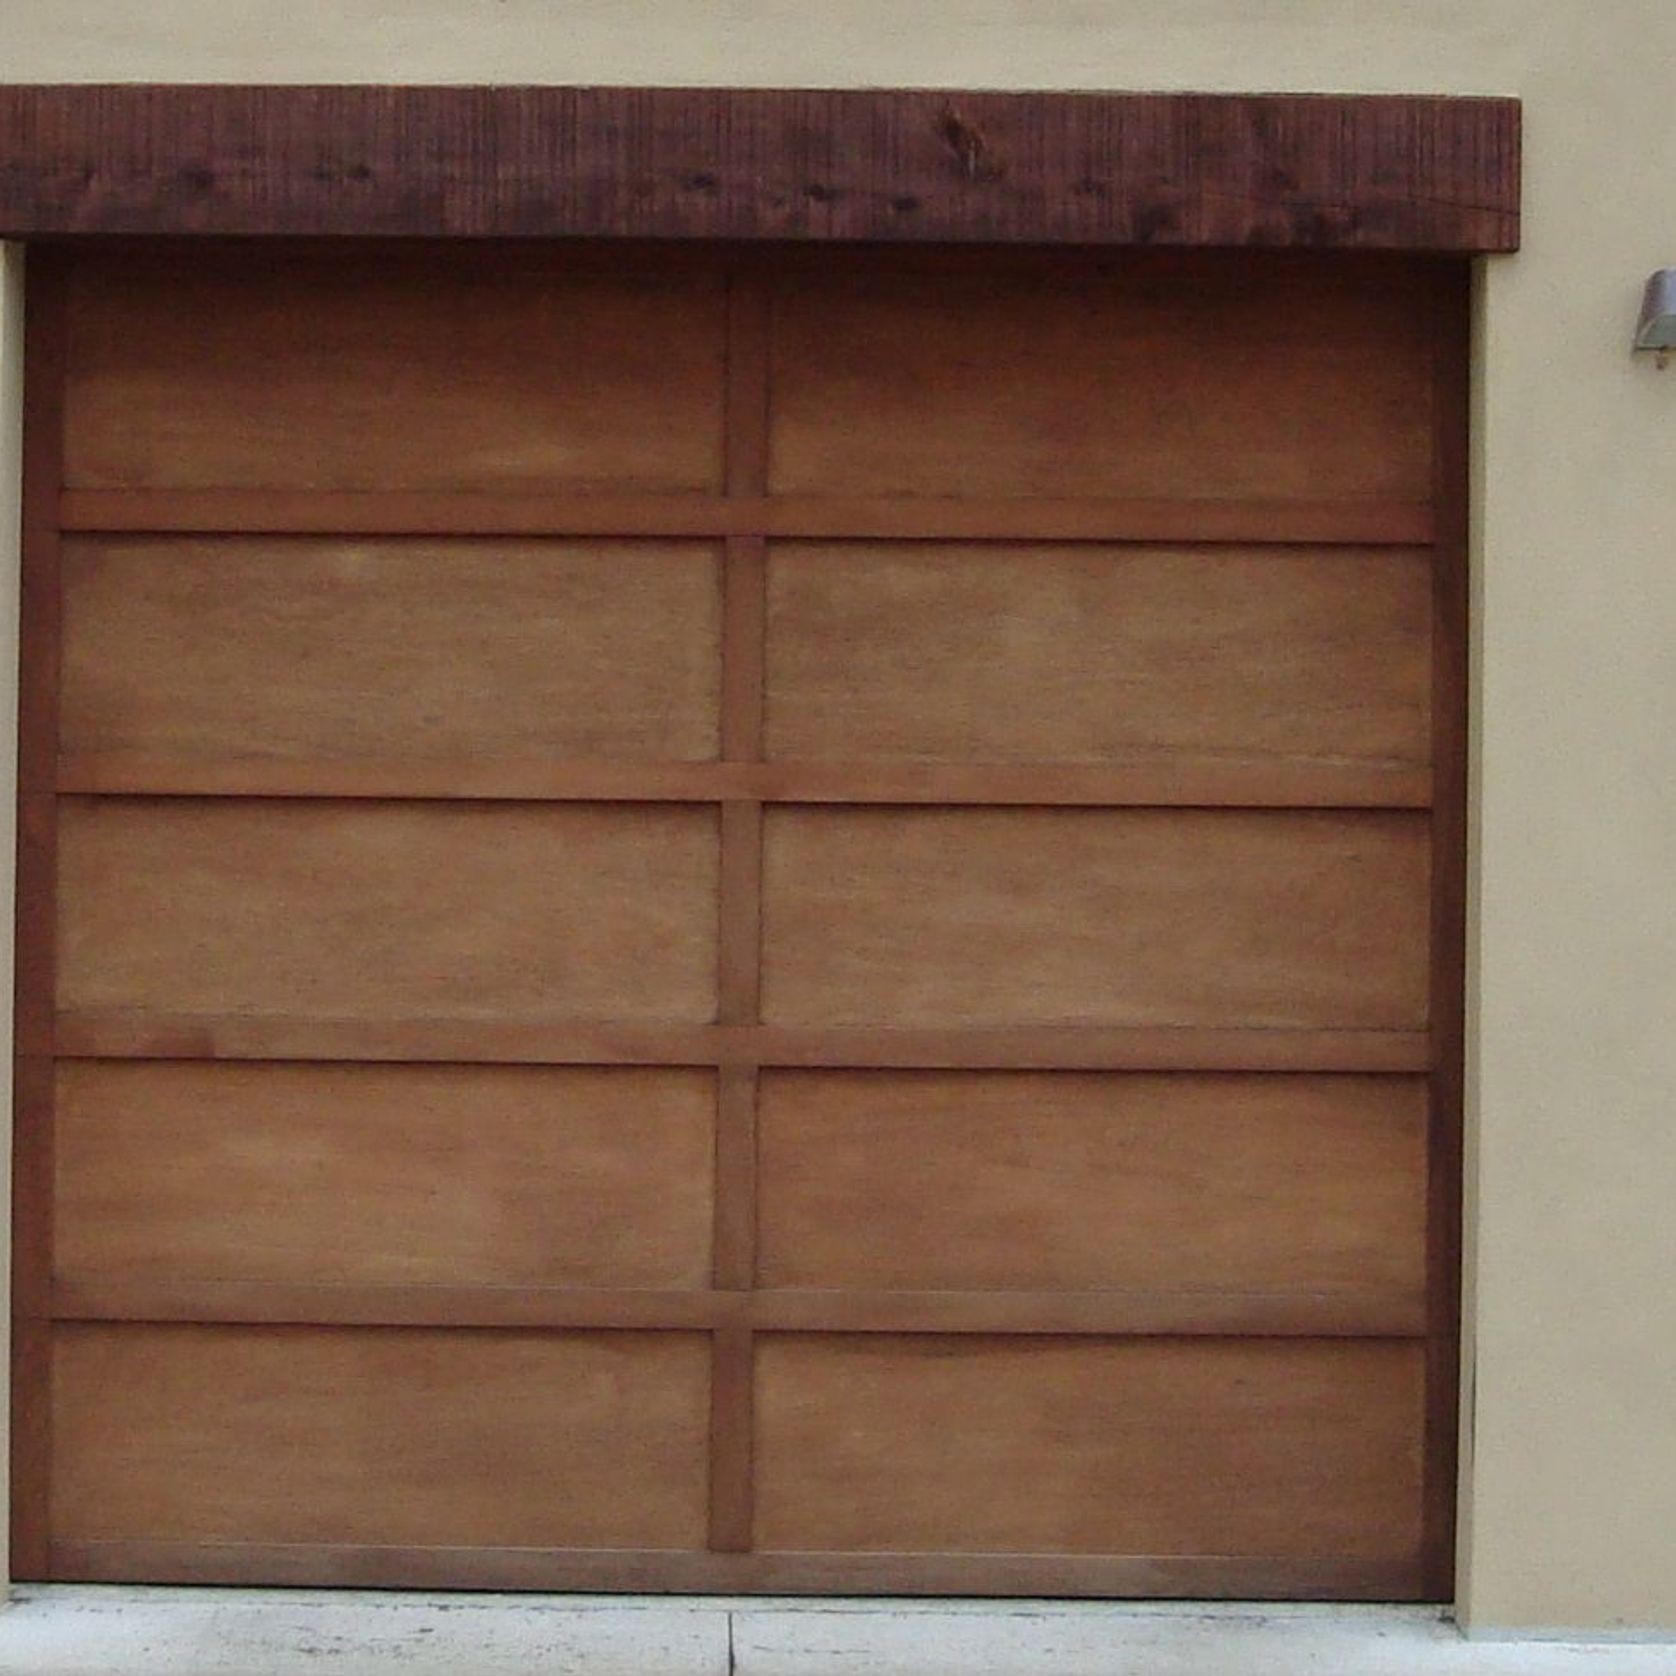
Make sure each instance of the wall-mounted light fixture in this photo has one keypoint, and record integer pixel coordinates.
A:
(1657, 327)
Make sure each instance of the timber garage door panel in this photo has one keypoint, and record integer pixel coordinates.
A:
(485, 368)
(442, 1175)
(1090, 654)
(1149, 1447)
(300, 649)
(1075, 1181)
(1094, 916)
(1153, 379)
(738, 920)
(387, 910)
(382, 1435)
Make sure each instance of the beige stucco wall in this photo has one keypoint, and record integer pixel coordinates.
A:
(1570, 1473)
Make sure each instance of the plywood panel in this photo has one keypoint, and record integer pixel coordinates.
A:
(1149, 1446)
(388, 910)
(1018, 653)
(304, 649)
(380, 1435)
(1084, 1181)
(321, 1174)
(491, 368)
(1030, 916)
(1145, 376)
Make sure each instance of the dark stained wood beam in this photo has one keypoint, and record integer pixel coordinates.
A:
(1303, 171)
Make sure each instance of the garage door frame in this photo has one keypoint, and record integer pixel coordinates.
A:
(973, 173)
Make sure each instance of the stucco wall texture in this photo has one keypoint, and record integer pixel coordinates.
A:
(1569, 1476)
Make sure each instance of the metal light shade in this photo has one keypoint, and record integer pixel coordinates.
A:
(1657, 327)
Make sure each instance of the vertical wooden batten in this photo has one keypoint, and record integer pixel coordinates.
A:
(739, 977)
(1450, 674)
(45, 353)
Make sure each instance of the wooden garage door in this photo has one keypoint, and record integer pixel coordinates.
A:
(705, 920)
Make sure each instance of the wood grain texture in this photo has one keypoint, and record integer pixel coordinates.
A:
(1178, 1312)
(35, 948)
(1276, 379)
(579, 912)
(1146, 1446)
(1141, 1312)
(1392, 172)
(425, 1304)
(307, 651)
(322, 1434)
(739, 933)
(735, 1175)
(1036, 1182)
(739, 957)
(30, 1429)
(1147, 779)
(394, 1174)
(732, 1437)
(1179, 917)
(434, 1039)
(1021, 1184)
(508, 367)
(1452, 387)
(1092, 654)
(1363, 523)
(416, 1566)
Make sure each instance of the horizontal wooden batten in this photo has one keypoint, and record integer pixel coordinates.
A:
(1256, 782)
(297, 512)
(254, 1302)
(100, 1035)
(1168, 1576)
(1383, 1313)
(88, 1034)
(140, 774)
(1057, 1047)
(1302, 1314)
(1325, 171)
